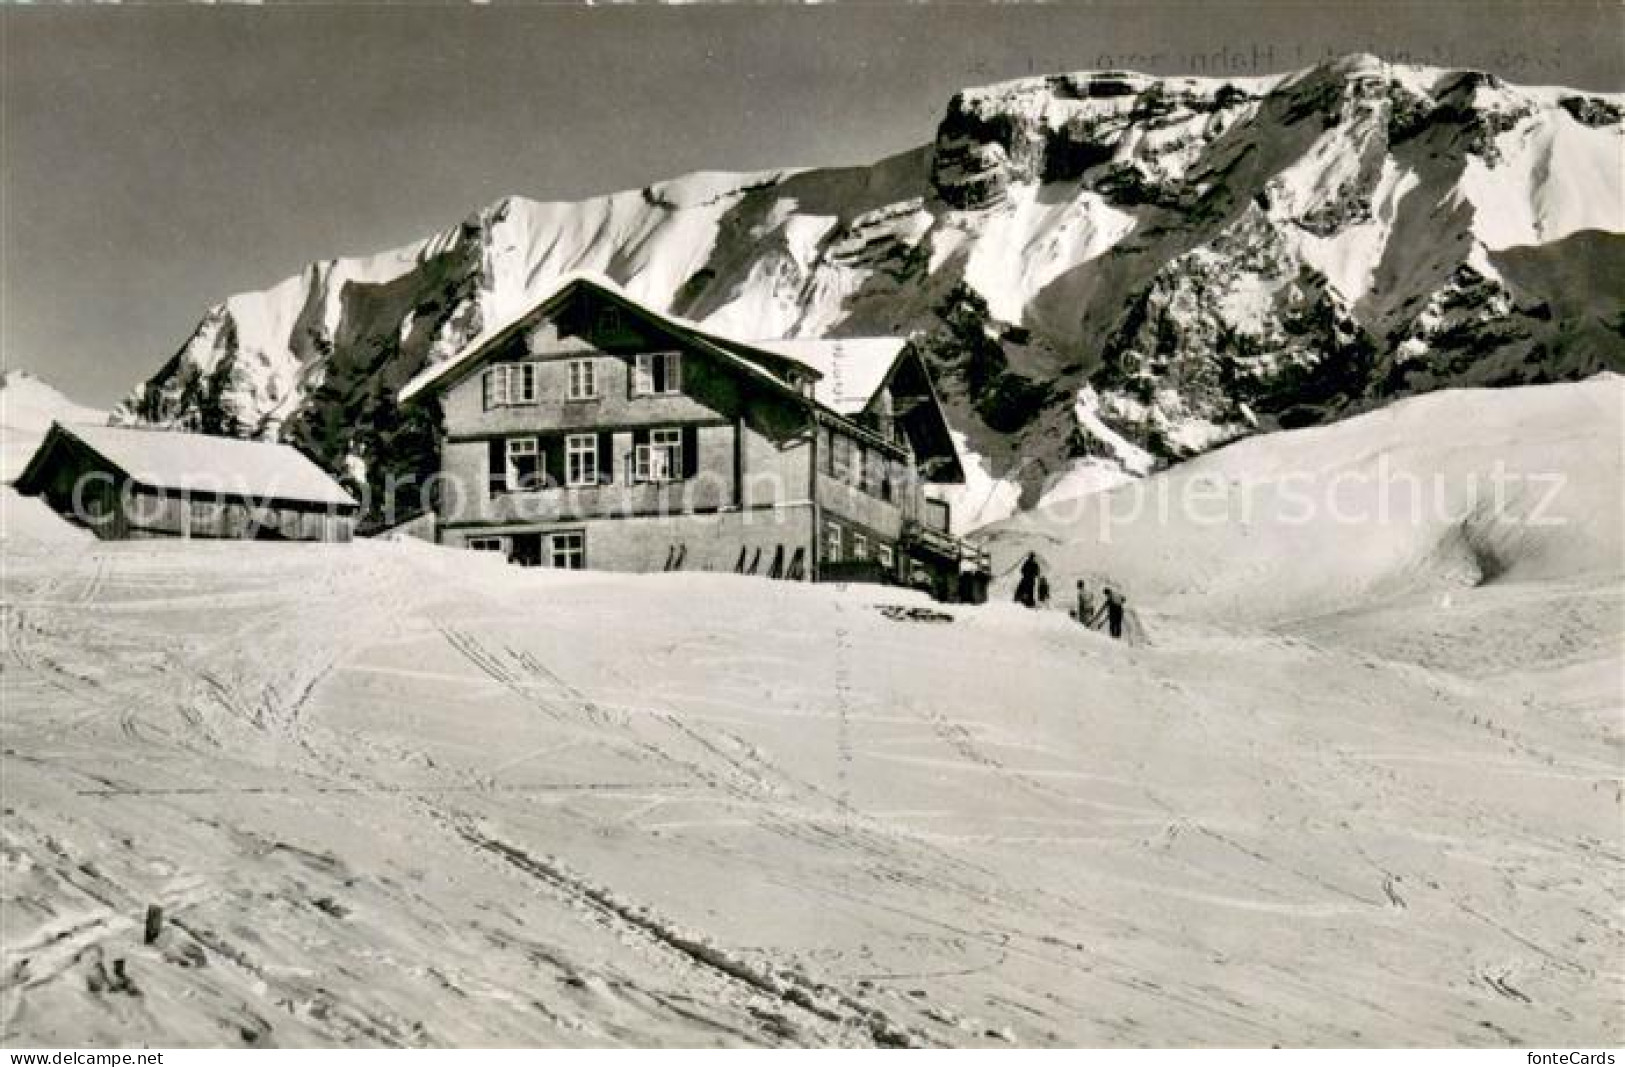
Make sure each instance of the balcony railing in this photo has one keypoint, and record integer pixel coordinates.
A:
(943, 545)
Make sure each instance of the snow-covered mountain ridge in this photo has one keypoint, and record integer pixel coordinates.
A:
(28, 406)
(1106, 268)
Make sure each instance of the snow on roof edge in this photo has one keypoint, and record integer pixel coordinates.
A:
(730, 345)
(170, 459)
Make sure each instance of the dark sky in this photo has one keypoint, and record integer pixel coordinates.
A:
(155, 159)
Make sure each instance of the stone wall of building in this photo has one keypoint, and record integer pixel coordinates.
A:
(702, 542)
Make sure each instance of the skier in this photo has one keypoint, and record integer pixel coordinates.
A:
(1027, 588)
(1086, 604)
(1114, 612)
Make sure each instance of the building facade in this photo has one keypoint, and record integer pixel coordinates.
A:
(597, 433)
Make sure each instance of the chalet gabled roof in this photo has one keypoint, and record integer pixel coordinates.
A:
(759, 363)
(197, 463)
(845, 373)
(861, 364)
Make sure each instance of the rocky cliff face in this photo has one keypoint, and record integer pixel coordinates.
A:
(1104, 267)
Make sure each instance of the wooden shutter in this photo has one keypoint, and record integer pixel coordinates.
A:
(552, 449)
(498, 386)
(606, 458)
(640, 445)
(498, 480)
(691, 451)
(485, 387)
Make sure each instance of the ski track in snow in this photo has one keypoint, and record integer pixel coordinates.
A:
(391, 795)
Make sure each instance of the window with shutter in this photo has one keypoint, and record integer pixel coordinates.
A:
(524, 464)
(653, 463)
(581, 459)
(510, 383)
(637, 470)
(658, 455)
(657, 374)
(583, 380)
(496, 387)
(667, 455)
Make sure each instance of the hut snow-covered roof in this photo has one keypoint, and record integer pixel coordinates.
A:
(199, 463)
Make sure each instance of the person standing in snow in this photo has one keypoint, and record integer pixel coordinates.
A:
(1027, 588)
(1086, 604)
(1114, 613)
(967, 581)
(1043, 591)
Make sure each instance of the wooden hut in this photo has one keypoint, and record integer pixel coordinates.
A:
(127, 483)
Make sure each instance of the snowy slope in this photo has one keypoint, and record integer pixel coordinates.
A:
(29, 520)
(385, 801)
(1433, 495)
(1213, 257)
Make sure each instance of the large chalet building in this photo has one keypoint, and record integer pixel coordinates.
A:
(595, 432)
